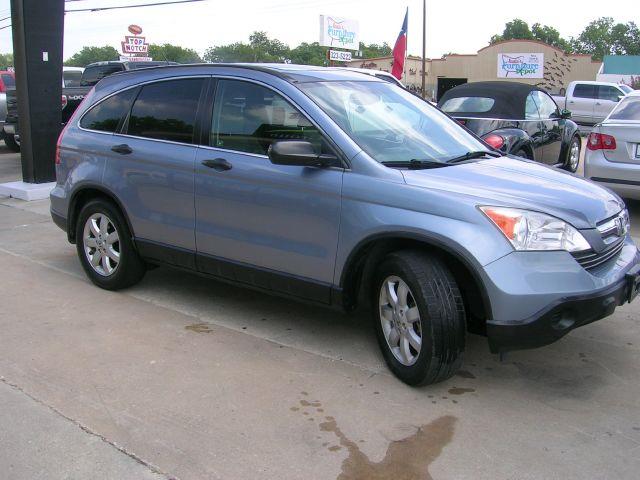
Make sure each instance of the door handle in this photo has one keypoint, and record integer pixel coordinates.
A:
(218, 164)
(598, 103)
(123, 149)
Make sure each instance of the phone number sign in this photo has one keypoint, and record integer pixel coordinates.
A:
(339, 56)
(135, 45)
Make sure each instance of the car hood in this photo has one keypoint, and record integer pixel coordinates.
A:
(506, 181)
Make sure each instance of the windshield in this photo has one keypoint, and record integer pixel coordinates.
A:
(627, 109)
(390, 124)
(626, 88)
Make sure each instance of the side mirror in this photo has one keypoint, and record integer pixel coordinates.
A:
(564, 113)
(299, 153)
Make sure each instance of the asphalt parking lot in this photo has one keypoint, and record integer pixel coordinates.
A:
(184, 377)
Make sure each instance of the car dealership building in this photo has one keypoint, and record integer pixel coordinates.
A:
(528, 61)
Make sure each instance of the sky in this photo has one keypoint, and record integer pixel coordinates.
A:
(462, 26)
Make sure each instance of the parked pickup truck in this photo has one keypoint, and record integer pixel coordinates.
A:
(76, 84)
(591, 102)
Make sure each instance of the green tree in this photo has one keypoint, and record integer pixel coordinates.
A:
(260, 48)
(309, 54)
(374, 50)
(604, 37)
(234, 52)
(550, 36)
(92, 54)
(6, 60)
(515, 29)
(173, 53)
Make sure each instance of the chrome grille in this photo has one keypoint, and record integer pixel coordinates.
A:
(590, 259)
(613, 232)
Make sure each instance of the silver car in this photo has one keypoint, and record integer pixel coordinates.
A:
(613, 149)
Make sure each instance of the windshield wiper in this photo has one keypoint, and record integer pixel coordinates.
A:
(415, 164)
(472, 155)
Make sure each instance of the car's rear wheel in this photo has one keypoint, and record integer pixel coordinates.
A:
(105, 247)
(522, 153)
(11, 142)
(419, 317)
(573, 155)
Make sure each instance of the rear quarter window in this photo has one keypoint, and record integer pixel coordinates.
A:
(468, 105)
(106, 115)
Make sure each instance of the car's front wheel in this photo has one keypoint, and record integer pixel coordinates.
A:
(419, 317)
(105, 247)
(573, 155)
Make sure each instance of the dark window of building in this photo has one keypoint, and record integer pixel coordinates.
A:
(166, 110)
(248, 118)
(106, 115)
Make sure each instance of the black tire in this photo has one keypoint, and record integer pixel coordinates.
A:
(442, 316)
(130, 269)
(10, 142)
(567, 163)
(522, 153)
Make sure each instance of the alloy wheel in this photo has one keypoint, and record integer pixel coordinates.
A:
(574, 156)
(400, 320)
(101, 243)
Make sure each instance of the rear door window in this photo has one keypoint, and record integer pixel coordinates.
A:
(166, 110)
(248, 117)
(584, 90)
(106, 115)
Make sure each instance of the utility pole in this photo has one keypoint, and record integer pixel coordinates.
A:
(38, 29)
(424, 46)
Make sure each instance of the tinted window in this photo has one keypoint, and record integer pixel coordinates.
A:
(106, 115)
(629, 109)
(583, 90)
(166, 110)
(71, 78)
(468, 105)
(93, 75)
(248, 118)
(8, 80)
(546, 106)
(606, 92)
(530, 108)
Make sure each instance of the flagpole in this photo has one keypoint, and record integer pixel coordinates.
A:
(424, 45)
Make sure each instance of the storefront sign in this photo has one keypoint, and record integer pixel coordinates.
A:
(339, 56)
(134, 45)
(124, 58)
(520, 65)
(339, 32)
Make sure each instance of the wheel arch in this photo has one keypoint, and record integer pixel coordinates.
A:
(84, 194)
(358, 271)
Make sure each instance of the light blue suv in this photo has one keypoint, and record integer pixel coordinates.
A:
(340, 189)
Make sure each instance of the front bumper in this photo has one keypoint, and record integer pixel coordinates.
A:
(557, 320)
(538, 297)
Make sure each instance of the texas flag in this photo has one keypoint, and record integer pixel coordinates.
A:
(400, 50)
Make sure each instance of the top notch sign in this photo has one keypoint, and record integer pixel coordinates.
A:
(339, 32)
(135, 45)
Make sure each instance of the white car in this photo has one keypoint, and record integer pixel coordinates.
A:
(612, 157)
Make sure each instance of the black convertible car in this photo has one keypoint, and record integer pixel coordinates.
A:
(518, 119)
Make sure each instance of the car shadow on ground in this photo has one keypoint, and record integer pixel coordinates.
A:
(569, 370)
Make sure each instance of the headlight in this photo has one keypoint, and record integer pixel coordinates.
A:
(528, 230)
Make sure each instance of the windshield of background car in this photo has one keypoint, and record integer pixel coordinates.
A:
(389, 123)
(626, 88)
(627, 109)
(468, 105)
(72, 78)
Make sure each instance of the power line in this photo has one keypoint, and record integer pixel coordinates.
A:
(98, 9)
(6, 26)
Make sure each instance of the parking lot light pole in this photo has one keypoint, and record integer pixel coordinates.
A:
(38, 30)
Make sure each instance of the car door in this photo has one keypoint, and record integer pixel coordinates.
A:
(533, 126)
(271, 226)
(552, 127)
(581, 102)
(608, 98)
(151, 168)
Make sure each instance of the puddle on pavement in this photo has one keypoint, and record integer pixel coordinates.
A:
(406, 459)
(460, 390)
(199, 328)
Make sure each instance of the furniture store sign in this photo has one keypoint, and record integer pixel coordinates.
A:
(339, 32)
(520, 65)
